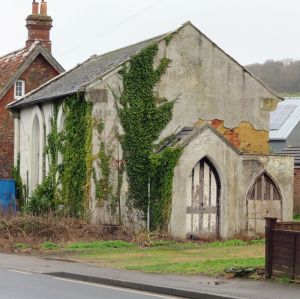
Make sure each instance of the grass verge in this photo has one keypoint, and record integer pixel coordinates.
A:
(166, 257)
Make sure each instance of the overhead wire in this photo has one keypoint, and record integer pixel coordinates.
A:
(81, 45)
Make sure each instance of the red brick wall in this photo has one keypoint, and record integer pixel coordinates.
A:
(39, 72)
(6, 137)
(297, 190)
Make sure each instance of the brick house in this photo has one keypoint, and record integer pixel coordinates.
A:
(22, 71)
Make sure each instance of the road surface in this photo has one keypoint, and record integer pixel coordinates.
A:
(15, 284)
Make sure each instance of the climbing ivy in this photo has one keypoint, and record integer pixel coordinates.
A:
(103, 185)
(143, 116)
(76, 147)
(45, 197)
(163, 165)
(142, 120)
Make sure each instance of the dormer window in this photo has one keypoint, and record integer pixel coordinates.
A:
(19, 89)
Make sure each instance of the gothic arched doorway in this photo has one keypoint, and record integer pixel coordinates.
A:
(203, 203)
(263, 200)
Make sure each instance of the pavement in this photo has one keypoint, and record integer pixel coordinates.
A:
(200, 287)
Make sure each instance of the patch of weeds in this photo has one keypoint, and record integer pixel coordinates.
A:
(228, 243)
(284, 280)
(22, 246)
(100, 245)
(297, 217)
(49, 245)
(256, 242)
(173, 245)
(208, 267)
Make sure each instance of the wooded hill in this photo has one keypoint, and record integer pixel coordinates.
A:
(281, 76)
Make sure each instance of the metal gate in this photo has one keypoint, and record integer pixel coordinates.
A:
(203, 203)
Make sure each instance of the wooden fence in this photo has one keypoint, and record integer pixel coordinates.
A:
(282, 249)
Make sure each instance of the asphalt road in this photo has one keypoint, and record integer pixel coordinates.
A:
(15, 284)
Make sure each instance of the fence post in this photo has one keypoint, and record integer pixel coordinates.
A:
(270, 225)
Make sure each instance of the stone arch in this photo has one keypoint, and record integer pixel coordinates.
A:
(36, 147)
(264, 199)
(264, 179)
(203, 202)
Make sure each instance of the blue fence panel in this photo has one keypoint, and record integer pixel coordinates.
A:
(7, 196)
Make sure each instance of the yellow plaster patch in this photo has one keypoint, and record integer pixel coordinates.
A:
(245, 137)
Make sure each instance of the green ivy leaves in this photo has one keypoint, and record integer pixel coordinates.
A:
(143, 120)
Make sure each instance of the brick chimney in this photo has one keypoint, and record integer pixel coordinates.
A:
(39, 25)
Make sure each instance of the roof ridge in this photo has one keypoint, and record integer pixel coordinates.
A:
(13, 52)
(29, 49)
(47, 83)
(233, 59)
(85, 61)
(131, 45)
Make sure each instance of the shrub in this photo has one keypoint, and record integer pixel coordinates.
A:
(42, 200)
(49, 245)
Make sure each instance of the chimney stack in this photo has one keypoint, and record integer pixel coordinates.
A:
(39, 25)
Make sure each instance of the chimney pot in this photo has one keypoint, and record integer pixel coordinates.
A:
(35, 8)
(43, 10)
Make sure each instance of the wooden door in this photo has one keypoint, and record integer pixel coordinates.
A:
(203, 204)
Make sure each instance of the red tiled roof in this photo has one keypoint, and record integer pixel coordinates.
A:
(10, 63)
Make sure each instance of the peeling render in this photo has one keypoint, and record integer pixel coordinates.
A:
(245, 137)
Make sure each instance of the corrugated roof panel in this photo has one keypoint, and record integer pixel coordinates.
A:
(288, 118)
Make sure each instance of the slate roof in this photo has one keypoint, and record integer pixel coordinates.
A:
(12, 65)
(287, 122)
(83, 74)
(72, 81)
(183, 133)
(292, 151)
(187, 134)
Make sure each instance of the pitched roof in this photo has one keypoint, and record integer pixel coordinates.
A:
(284, 119)
(188, 134)
(12, 65)
(79, 77)
(292, 151)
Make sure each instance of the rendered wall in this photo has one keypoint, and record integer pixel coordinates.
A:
(237, 174)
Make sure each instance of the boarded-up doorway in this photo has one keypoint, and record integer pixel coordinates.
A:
(203, 202)
(264, 200)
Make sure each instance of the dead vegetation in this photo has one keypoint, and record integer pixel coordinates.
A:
(27, 229)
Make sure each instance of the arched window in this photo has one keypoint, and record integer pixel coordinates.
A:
(264, 188)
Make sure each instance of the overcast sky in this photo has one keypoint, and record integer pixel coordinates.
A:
(249, 30)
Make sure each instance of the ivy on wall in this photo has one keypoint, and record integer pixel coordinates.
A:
(103, 187)
(143, 119)
(75, 150)
(143, 116)
(163, 165)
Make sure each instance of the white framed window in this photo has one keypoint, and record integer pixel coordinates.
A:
(19, 89)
